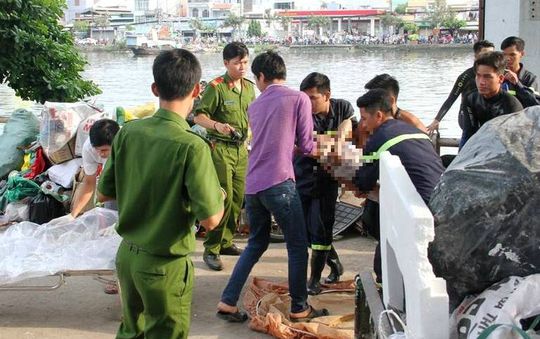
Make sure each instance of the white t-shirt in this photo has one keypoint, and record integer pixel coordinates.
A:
(91, 159)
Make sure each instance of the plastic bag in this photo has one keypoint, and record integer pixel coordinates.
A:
(506, 302)
(485, 206)
(28, 250)
(17, 211)
(19, 188)
(20, 130)
(59, 123)
(34, 161)
(64, 173)
(83, 132)
(43, 208)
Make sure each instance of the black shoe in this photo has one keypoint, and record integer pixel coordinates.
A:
(236, 317)
(231, 250)
(213, 261)
(317, 262)
(336, 268)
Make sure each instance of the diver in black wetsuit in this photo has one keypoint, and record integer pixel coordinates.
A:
(489, 100)
(464, 85)
(517, 80)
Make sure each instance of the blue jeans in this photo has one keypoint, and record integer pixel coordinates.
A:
(283, 202)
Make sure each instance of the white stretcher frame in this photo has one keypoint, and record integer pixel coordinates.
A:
(97, 274)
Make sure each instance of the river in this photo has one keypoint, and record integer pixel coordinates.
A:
(426, 77)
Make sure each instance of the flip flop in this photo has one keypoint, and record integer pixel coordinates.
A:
(313, 314)
(236, 317)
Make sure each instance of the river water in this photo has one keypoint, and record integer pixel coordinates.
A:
(426, 77)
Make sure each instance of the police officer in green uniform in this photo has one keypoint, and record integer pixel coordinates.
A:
(162, 177)
(223, 112)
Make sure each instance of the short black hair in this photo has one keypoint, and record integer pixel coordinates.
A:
(316, 80)
(235, 49)
(482, 44)
(495, 60)
(271, 65)
(102, 132)
(374, 100)
(513, 41)
(384, 81)
(176, 72)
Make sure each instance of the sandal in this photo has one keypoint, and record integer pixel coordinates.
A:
(236, 317)
(314, 313)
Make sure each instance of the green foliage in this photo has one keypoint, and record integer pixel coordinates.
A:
(81, 26)
(410, 27)
(233, 21)
(453, 23)
(268, 17)
(102, 21)
(284, 21)
(254, 29)
(401, 8)
(315, 22)
(391, 20)
(197, 24)
(38, 58)
(130, 28)
(439, 13)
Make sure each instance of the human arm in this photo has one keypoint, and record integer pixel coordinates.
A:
(526, 90)
(203, 188)
(304, 126)
(207, 106)
(411, 119)
(456, 91)
(83, 194)
(206, 122)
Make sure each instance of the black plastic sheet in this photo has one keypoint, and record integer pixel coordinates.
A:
(487, 207)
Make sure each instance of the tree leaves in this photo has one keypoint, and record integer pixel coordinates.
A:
(38, 58)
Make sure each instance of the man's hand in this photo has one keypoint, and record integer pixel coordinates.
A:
(511, 77)
(431, 128)
(224, 129)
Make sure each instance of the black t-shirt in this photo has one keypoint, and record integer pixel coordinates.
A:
(310, 177)
(418, 156)
(479, 110)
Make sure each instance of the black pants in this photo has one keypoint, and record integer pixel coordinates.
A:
(372, 222)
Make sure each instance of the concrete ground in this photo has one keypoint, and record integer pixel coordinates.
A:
(80, 309)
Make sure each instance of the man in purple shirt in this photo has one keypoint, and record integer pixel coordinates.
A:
(279, 118)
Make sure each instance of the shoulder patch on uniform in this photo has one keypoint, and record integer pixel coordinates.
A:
(216, 81)
(200, 136)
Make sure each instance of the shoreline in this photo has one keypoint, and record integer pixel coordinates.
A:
(260, 47)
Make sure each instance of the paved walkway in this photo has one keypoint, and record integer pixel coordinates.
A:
(80, 309)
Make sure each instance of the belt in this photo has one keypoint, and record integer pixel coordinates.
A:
(229, 142)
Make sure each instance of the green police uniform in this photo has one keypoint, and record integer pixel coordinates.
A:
(225, 103)
(163, 178)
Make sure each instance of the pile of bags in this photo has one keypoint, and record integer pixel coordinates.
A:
(39, 159)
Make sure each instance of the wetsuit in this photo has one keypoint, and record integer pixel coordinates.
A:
(526, 90)
(465, 84)
(479, 110)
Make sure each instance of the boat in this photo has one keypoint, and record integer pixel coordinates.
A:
(149, 44)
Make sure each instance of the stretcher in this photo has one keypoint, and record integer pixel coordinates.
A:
(61, 248)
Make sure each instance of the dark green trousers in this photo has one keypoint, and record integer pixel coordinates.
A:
(230, 162)
(156, 294)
